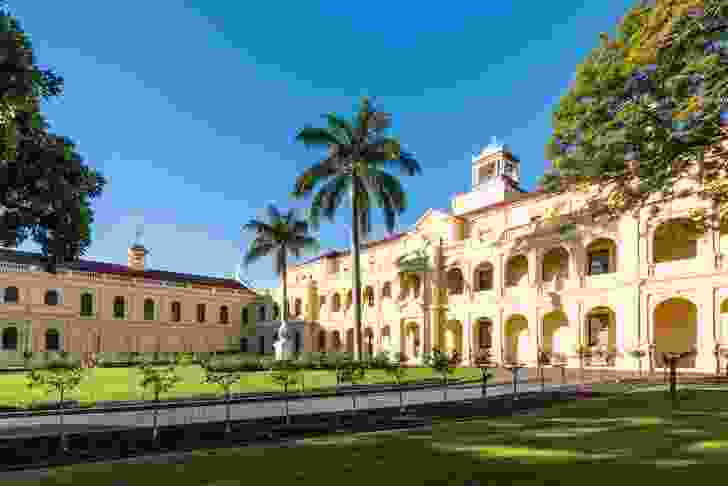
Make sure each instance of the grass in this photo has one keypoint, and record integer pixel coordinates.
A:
(566, 445)
(122, 384)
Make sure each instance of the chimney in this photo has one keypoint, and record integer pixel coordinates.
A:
(136, 257)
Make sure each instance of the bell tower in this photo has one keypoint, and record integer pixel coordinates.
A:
(137, 252)
(495, 162)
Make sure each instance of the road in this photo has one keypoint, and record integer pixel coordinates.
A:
(31, 426)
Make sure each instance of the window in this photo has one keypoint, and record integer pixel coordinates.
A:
(322, 341)
(455, 281)
(119, 307)
(176, 311)
(51, 297)
(276, 311)
(599, 262)
(597, 324)
(369, 293)
(10, 339)
(148, 309)
(297, 307)
(223, 315)
(87, 304)
(297, 341)
(243, 345)
(322, 301)
(484, 278)
(261, 313)
(245, 315)
(336, 305)
(387, 289)
(53, 340)
(200, 312)
(11, 295)
(261, 344)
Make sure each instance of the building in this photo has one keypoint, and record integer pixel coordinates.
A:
(261, 320)
(514, 272)
(99, 307)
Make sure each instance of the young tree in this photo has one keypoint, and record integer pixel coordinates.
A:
(61, 376)
(45, 188)
(484, 361)
(158, 380)
(285, 374)
(441, 363)
(671, 361)
(638, 354)
(394, 369)
(224, 373)
(648, 109)
(358, 153)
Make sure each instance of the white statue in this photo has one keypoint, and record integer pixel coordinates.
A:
(283, 345)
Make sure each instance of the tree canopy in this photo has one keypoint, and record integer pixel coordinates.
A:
(45, 187)
(648, 109)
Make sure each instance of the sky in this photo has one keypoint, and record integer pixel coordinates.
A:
(191, 108)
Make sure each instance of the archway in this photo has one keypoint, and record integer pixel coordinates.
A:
(453, 338)
(483, 336)
(676, 329)
(517, 271)
(349, 340)
(455, 281)
(555, 264)
(386, 338)
(601, 328)
(336, 338)
(518, 339)
(723, 335)
(369, 341)
(675, 239)
(556, 333)
(412, 333)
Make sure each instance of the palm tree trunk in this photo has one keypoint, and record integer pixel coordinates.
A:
(284, 311)
(63, 445)
(356, 269)
(227, 412)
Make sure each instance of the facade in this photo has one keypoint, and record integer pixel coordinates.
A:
(92, 307)
(514, 273)
(261, 319)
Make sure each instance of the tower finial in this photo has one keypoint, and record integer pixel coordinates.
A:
(139, 234)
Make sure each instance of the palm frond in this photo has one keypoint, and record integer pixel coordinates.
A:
(257, 250)
(273, 214)
(258, 227)
(340, 128)
(315, 175)
(316, 137)
(328, 199)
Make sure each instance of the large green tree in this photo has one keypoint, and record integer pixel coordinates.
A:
(45, 188)
(359, 151)
(647, 110)
(281, 236)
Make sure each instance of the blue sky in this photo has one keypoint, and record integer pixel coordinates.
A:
(190, 108)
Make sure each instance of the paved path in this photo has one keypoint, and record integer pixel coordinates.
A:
(32, 426)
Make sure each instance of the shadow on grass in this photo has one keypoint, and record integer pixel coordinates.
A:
(568, 444)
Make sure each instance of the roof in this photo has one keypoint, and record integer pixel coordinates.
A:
(334, 253)
(32, 258)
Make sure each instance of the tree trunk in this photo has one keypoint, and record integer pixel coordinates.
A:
(284, 310)
(155, 430)
(227, 412)
(401, 401)
(63, 445)
(356, 268)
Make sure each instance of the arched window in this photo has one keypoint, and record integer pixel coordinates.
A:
(11, 295)
(416, 284)
(10, 339)
(336, 304)
(119, 307)
(87, 304)
(176, 311)
(322, 301)
(455, 281)
(53, 340)
(676, 239)
(148, 309)
(200, 312)
(555, 264)
(601, 255)
(297, 341)
(243, 345)
(223, 315)
(276, 311)
(51, 297)
(517, 271)
(297, 306)
(245, 315)
(322, 341)
(484, 277)
(261, 344)
(261, 313)
(349, 300)
(387, 290)
(369, 295)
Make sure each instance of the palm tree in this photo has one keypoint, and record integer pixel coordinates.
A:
(358, 153)
(282, 235)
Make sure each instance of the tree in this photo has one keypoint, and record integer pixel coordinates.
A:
(159, 380)
(224, 373)
(671, 361)
(443, 364)
(60, 376)
(358, 153)
(638, 354)
(45, 188)
(285, 374)
(394, 369)
(279, 237)
(648, 110)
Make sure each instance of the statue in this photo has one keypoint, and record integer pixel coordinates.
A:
(283, 345)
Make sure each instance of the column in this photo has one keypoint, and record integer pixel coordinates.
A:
(467, 339)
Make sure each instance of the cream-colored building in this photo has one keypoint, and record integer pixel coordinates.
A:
(513, 272)
(98, 307)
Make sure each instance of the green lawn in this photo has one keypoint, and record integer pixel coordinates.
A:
(122, 384)
(573, 444)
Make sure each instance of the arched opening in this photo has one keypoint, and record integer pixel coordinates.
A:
(87, 304)
(349, 300)
(10, 339)
(676, 329)
(557, 337)
(601, 257)
(453, 338)
(296, 342)
(601, 329)
(261, 344)
(322, 302)
(455, 281)
(224, 315)
(261, 313)
(413, 340)
(483, 277)
(337, 341)
(11, 295)
(349, 340)
(387, 290)
(675, 239)
(369, 341)
(243, 345)
(200, 312)
(386, 337)
(119, 307)
(51, 297)
(52, 340)
(369, 295)
(336, 303)
(322, 341)
(723, 335)
(298, 307)
(177, 312)
(415, 285)
(516, 271)
(276, 311)
(483, 335)
(556, 264)
(517, 339)
(148, 309)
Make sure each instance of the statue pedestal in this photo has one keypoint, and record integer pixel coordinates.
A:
(284, 345)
